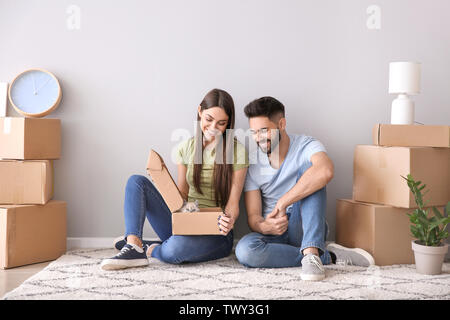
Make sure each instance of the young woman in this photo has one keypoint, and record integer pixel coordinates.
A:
(211, 169)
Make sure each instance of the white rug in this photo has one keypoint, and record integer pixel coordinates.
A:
(77, 275)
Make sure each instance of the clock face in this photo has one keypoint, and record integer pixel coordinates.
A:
(34, 92)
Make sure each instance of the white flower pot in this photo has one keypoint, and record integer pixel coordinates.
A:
(429, 259)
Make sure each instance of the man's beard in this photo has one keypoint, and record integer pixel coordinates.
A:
(267, 145)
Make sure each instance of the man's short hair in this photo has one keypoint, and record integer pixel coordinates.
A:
(265, 107)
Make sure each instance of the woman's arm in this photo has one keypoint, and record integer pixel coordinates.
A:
(182, 183)
(232, 208)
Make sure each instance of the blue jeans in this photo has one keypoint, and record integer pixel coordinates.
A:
(307, 228)
(142, 200)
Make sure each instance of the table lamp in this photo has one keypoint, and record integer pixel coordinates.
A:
(404, 80)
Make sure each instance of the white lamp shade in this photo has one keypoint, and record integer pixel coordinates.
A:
(404, 77)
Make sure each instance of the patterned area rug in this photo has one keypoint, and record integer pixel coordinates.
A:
(77, 275)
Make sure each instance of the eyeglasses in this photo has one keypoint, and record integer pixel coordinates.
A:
(260, 132)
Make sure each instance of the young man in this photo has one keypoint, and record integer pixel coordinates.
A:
(285, 198)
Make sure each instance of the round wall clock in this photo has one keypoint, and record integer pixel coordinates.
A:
(35, 93)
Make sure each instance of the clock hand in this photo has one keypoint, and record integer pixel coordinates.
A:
(34, 85)
(43, 85)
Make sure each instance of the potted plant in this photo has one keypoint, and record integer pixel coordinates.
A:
(429, 230)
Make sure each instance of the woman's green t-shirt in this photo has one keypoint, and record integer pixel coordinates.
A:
(185, 155)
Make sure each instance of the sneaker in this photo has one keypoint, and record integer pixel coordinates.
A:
(130, 256)
(119, 242)
(351, 256)
(312, 268)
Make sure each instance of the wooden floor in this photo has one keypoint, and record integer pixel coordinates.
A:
(12, 278)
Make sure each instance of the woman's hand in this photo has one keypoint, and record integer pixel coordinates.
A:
(227, 220)
(231, 212)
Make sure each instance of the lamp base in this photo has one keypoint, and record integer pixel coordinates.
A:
(402, 110)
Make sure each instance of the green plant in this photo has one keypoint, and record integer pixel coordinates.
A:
(429, 230)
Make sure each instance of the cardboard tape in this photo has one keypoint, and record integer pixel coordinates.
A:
(3, 98)
(382, 162)
(380, 194)
(19, 188)
(7, 125)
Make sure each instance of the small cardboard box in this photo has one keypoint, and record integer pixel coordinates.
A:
(411, 135)
(377, 172)
(30, 138)
(26, 181)
(381, 230)
(183, 223)
(32, 233)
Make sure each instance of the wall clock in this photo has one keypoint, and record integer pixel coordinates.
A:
(35, 93)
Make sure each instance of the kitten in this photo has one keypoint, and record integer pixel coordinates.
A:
(190, 206)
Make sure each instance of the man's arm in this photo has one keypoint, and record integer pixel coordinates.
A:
(315, 178)
(271, 224)
(253, 207)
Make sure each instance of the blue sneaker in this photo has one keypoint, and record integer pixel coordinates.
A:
(130, 256)
(119, 242)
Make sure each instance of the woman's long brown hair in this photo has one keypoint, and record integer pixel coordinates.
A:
(223, 164)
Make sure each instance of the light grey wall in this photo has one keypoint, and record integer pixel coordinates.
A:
(135, 71)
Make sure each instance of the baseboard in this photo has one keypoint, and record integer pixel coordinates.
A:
(86, 242)
(92, 242)
(96, 242)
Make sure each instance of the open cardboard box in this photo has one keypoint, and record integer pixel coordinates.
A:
(183, 223)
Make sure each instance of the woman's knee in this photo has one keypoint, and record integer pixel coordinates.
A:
(136, 180)
(171, 250)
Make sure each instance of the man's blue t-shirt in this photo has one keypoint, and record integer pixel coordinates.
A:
(274, 183)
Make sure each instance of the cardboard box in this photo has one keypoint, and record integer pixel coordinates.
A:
(32, 233)
(381, 230)
(377, 172)
(30, 138)
(26, 182)
(183, 223)
(411, 135)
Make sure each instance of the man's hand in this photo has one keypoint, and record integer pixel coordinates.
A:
(279, 210)
(276, 222)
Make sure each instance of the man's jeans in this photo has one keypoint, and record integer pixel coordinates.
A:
(142, 200)
(307, 228)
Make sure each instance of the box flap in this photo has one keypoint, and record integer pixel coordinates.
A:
(163, 181)
(376, 134)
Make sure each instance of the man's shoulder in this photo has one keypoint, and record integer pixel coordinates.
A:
(300, 141)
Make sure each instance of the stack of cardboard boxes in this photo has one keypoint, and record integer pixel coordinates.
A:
(32, 225)
(376, 219)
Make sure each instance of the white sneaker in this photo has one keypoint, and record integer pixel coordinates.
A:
(312, 268)
(351, 256)
(130, 256)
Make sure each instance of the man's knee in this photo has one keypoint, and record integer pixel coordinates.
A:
(249, 251)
